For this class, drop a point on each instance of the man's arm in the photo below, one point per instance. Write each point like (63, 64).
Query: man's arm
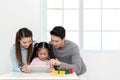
(77, 62)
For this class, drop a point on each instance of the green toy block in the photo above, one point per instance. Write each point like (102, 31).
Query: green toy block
(67, 71)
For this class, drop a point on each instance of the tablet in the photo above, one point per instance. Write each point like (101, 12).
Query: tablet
(38, 68)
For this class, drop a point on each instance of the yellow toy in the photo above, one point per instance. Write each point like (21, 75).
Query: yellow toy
(63, 71)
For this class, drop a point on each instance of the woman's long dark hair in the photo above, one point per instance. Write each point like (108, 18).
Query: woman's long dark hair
(42, 45)
(22, 33)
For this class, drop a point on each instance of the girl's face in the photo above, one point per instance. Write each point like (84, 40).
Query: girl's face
(25, 42)
(43, 54)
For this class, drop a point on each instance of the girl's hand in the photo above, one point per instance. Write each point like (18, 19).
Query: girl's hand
(54, 62)
(50, 69)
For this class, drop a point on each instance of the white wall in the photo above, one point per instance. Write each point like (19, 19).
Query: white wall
(102, 66)
(15, 14)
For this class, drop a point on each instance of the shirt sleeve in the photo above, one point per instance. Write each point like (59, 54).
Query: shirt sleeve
(15, 64)
(77, 62)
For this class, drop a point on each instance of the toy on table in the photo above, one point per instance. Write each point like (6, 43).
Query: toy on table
(63, 71)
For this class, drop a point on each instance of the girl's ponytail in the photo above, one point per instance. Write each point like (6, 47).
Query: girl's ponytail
(34, 53)
(51, 53)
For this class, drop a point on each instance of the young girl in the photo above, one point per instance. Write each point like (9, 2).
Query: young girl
(41, 54)
(21, 51)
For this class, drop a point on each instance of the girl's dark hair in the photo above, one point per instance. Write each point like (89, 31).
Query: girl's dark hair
(22, 33)
(58, 31)
(42, 45)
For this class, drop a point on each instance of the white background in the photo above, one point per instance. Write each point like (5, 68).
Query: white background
(15, 14)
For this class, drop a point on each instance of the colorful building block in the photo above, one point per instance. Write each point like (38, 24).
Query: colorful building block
(55, 72)
(67, 71)
(63, 71)
(71, 70)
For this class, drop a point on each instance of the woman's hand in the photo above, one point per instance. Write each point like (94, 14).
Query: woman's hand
(26, 69)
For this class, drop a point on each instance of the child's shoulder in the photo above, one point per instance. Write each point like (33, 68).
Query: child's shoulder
(36, 58)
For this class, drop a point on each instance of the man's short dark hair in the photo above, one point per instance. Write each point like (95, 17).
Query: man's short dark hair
(58, 31)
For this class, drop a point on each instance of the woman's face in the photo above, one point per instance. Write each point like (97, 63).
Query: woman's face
(43, 54)
(25, 42)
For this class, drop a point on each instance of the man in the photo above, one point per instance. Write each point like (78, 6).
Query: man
(66, 52)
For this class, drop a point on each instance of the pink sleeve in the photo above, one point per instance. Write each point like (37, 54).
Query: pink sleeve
(34, 61)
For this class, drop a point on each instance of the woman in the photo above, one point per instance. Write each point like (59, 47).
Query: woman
(21, 51)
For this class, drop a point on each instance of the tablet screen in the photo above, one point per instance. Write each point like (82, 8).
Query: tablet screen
(38, 68)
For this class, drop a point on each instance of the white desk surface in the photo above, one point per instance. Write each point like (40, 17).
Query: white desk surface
(36, 76)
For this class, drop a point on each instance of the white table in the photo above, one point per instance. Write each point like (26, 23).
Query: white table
(36, 76)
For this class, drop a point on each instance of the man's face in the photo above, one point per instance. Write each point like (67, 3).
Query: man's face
(57, 41)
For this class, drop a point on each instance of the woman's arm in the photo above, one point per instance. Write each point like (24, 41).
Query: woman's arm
(15, 64)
